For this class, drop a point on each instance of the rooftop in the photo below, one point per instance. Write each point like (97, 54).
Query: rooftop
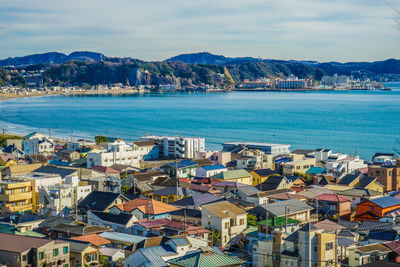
(224, 209)
(147, 206)
(94, 239)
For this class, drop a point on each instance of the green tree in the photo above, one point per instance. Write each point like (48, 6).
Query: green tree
(251, 220)
(125, 189)
(306, 177)
(103, 260)
(216, 236)
(100, 139)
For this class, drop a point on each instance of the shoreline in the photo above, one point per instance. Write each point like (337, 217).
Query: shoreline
(125, 92)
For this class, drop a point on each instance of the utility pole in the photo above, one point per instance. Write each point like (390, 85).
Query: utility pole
(287, 207)
(184, 221)
(266, 223)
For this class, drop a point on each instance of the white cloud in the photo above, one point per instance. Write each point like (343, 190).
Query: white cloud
(154, 30)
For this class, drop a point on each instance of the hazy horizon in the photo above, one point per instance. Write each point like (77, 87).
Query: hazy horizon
(197, 52)
(318, 30)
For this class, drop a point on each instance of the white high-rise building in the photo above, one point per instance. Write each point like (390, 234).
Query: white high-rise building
(177, 146)
(118, 152)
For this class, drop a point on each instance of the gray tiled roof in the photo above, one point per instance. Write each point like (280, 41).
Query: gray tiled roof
(278, 208)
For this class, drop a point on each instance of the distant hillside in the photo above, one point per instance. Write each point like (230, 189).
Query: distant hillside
(187, 69)
(208, 58)
(50, 57)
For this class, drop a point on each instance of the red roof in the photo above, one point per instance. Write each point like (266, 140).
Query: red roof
(156, 223)
(297, 189)
(147, 206)
(104, 169)
(94, 239)
(332, 198)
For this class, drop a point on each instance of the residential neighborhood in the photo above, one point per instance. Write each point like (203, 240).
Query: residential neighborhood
(167, 201)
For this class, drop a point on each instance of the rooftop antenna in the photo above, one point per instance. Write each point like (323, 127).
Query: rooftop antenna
(184, 221)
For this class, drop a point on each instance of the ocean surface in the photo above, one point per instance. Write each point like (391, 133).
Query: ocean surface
(362, 122)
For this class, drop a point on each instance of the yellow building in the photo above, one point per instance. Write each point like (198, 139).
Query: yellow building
(170, 194)
(261, 175)
(83, 254)
(298, 166)
(16, 196)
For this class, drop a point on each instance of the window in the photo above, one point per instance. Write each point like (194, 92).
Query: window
(65, 250)
(328, 246)
(55, 252)
(91, 257)
(378, 172)
(25, 257)
(241, 221)
(66, 265)
(226, 225)
(41, 255)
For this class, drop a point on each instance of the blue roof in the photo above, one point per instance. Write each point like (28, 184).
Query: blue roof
(154, 254)
(59, 162)
(134, 239)
(384, 235)
(214, 167)
(385, 202)
(316, 170)
(183, 164)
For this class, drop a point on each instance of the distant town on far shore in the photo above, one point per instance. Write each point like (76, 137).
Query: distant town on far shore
(94, 73)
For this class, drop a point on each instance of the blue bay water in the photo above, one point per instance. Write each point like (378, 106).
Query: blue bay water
(346, 121)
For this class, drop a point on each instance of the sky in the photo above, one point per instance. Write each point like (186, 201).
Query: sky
(323, 30)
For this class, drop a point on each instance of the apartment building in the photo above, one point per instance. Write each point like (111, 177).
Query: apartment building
(177, 146)
(386, 174)
(267, 148)
(36, 143)
(16, 196)
(306, 247)
(298, 165)
(21, 251)
(118, 152)
(225, 217)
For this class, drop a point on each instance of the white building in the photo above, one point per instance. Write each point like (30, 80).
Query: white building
(344, 165)
(61, 199)
(340, 81)
(208, 171)
(118, 152)
(337, 163)
(292, 82)
(36, 143)
(267, 148)
(176, 146)
(75, 145)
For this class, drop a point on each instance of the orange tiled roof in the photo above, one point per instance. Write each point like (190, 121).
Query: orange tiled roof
(94, 239)
(148, 206)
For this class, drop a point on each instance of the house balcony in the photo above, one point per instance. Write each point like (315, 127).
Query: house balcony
(16, 208)
(16, 197)
(235, 230)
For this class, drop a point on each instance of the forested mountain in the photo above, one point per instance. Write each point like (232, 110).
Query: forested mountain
(188, 69)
